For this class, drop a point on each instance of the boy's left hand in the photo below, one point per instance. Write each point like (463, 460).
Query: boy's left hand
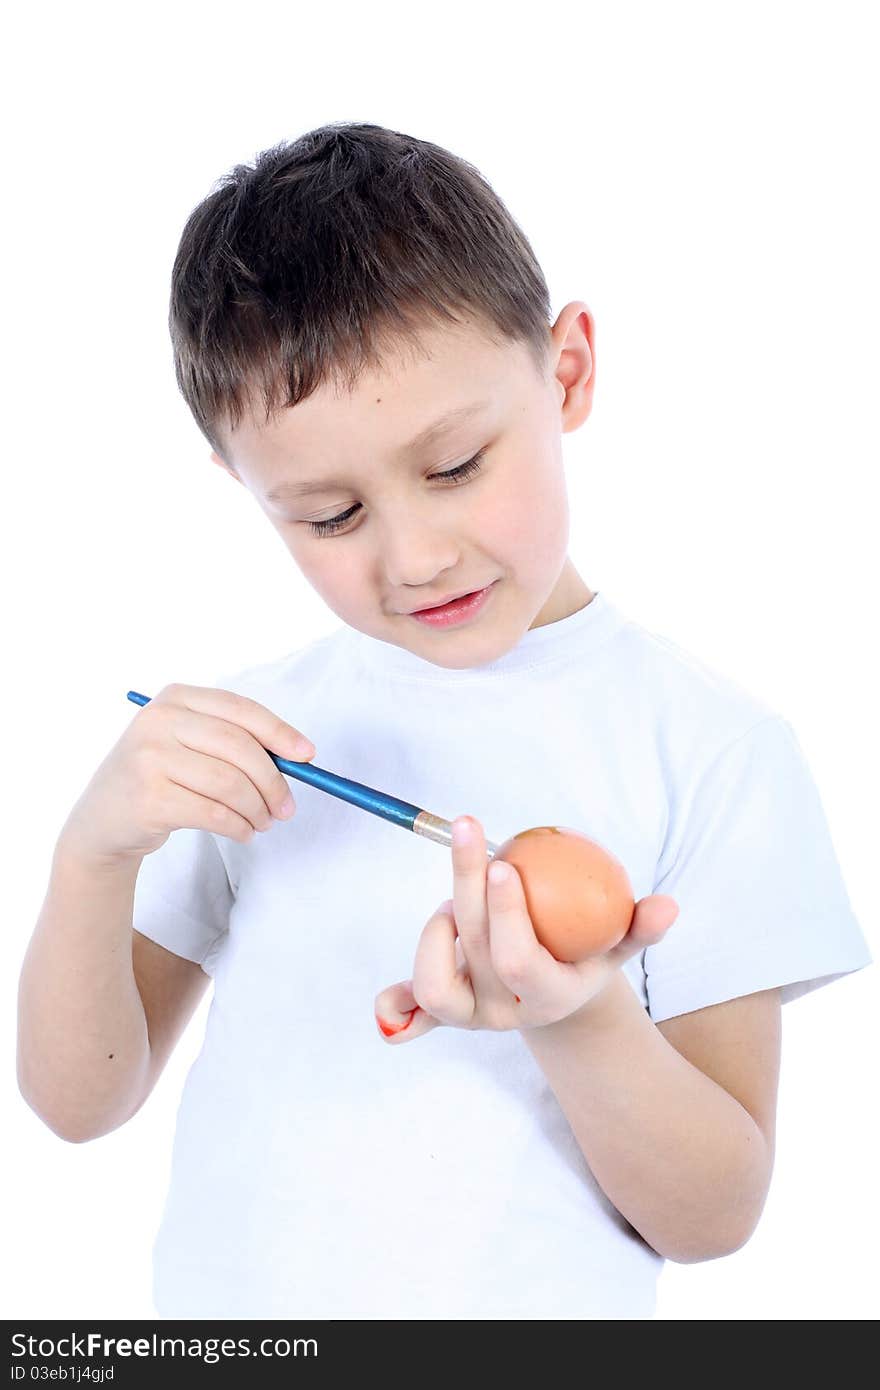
(479, 964)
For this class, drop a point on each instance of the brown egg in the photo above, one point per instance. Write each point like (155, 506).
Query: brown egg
(578, 895)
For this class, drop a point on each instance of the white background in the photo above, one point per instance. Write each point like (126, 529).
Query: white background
(704, 177)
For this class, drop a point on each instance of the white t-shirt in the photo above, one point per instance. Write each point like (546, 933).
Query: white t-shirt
(318, 1172)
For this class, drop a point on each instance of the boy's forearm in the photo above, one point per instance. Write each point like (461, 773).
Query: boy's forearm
(83, 1046)
(678, 1156)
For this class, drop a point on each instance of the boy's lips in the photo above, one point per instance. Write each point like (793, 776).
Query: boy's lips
(456, 610)
(450, 598)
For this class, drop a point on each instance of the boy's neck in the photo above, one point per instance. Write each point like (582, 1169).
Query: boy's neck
(569, 595)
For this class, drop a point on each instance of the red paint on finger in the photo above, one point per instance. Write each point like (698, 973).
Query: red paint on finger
(517, 998)
(389, 1029)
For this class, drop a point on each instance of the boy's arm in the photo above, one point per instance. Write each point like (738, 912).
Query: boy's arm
(171, 988)
(99, 1006)
(677, 1119)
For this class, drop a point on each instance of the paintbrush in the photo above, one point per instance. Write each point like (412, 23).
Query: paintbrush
(390, 808)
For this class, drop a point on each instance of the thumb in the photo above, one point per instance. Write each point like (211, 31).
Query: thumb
(651, 920)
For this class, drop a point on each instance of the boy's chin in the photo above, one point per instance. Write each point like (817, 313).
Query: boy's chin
(459, 651)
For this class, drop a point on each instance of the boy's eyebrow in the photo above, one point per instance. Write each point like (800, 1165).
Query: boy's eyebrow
(426, 436)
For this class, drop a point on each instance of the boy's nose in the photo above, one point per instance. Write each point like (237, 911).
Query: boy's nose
(418, 560)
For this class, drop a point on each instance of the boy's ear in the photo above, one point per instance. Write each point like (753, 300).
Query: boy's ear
(215, 458)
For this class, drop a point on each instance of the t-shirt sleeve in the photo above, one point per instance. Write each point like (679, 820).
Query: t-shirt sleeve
(183, 897)
(750, 861)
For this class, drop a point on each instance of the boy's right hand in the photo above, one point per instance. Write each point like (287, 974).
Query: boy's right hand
(193, 757)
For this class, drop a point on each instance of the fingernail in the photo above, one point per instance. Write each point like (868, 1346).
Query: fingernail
(462, 832)
(388, 1028)
(303, 749)
(287, 807)
(499, 872)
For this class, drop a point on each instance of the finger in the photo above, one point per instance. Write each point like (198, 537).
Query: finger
(652, 918)
(527, 968)
(519, 961)
(236, 730)
(469, 864)
(234, 748)
(438, 986)
(222, 783)
(270, 730)
(398, 1017)
(184, 807)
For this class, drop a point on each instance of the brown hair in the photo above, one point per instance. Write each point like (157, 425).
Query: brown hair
(302, 268)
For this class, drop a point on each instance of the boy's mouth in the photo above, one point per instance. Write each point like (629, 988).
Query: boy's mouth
(455, 610)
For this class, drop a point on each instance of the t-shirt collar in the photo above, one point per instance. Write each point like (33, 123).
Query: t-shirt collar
(552, 643)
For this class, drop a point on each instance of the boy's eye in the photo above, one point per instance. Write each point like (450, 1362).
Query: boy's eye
(457, 475)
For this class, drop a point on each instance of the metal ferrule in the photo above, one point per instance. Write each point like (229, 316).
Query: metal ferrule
(440, 831)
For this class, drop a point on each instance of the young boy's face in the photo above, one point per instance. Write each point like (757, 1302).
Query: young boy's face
(408, 538)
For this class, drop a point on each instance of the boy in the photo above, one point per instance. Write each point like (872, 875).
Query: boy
(363, 335)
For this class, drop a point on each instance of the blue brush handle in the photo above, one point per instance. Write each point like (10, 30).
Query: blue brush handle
(402, 813)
